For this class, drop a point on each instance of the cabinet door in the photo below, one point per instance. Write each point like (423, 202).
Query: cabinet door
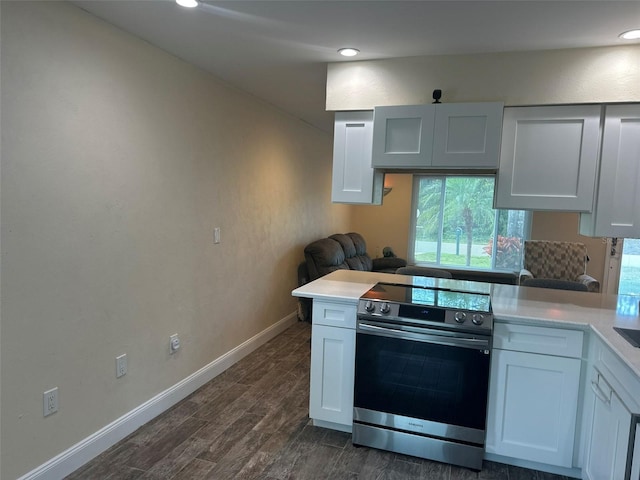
(616, 212)
(403, 135)
(332, 374)
(549, 157)
(609, 438)
(532, 407)
(467, 135)
(354, 179)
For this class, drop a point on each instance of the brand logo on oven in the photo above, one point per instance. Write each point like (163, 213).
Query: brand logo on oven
(417, 425)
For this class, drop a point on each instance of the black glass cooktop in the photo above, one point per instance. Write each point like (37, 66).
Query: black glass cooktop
(631, 336)
(446, 299)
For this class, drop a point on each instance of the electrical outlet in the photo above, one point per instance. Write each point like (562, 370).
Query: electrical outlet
(50, 400)
(174, 343)
(121, 365)
(216, 235)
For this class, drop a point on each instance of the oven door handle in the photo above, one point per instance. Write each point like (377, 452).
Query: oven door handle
(476, 343)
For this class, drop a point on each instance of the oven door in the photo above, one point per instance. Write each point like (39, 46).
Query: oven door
(425, 381)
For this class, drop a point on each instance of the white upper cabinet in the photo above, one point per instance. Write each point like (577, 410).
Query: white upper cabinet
(617, 209)
(549, 158)
(354, 179)
(444, 135)
(402, 136)
(467, 135)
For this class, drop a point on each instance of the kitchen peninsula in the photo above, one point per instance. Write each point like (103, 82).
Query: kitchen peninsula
(564, 387)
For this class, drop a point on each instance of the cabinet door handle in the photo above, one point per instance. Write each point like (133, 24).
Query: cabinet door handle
(599, 393)
(408, 334)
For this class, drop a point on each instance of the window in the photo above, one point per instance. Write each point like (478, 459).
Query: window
(454, 224)
(629, 282)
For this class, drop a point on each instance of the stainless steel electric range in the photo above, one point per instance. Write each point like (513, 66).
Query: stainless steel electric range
(422, 372)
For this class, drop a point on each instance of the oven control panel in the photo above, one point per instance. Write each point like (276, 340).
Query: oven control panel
(398, 312)
(379, 307)
(475, 318)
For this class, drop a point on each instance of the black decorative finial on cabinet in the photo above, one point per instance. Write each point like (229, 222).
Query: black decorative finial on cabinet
(437, 94)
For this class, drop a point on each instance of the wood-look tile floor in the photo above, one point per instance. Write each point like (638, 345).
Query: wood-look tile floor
(251, 422)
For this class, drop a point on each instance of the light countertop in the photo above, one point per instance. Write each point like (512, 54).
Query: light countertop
(598, 312)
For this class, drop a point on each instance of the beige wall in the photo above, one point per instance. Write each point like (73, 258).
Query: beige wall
(117, 162)
(589, 75)
(388, 225)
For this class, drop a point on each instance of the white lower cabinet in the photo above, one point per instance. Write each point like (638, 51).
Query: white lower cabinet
(533, 414)
(615, 391)
(606, 457)
(332, 367)
(533, 397)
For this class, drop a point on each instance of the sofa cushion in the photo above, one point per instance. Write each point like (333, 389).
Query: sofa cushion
(424, 272)
(324, 256)
(355, 251)
(555, 283)
(388, 264)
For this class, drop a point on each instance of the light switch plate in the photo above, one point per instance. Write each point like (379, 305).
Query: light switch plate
(121, 365)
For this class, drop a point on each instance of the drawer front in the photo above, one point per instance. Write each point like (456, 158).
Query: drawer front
(334, 314)
(622, 379)
(543, 340)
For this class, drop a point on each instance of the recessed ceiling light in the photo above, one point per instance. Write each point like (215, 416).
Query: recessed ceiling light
(631, 35)
(187, 3)
(348, 52)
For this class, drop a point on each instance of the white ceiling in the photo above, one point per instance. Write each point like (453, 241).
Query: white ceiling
(278, 50)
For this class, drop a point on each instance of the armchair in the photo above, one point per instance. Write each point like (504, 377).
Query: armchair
(558, 261)
(345, 251)
(341, 251)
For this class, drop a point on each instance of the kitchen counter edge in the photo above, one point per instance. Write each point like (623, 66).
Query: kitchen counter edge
(525, 305)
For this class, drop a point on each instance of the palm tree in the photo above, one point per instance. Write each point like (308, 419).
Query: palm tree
(431, 195)
(447, 203)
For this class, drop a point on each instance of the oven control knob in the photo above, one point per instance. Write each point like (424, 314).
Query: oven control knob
(460, 317)
(477, 319)
(369, 306)
(385, 308)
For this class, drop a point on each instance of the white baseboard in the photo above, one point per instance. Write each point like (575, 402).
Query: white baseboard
(73, 458)
(572, 472)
